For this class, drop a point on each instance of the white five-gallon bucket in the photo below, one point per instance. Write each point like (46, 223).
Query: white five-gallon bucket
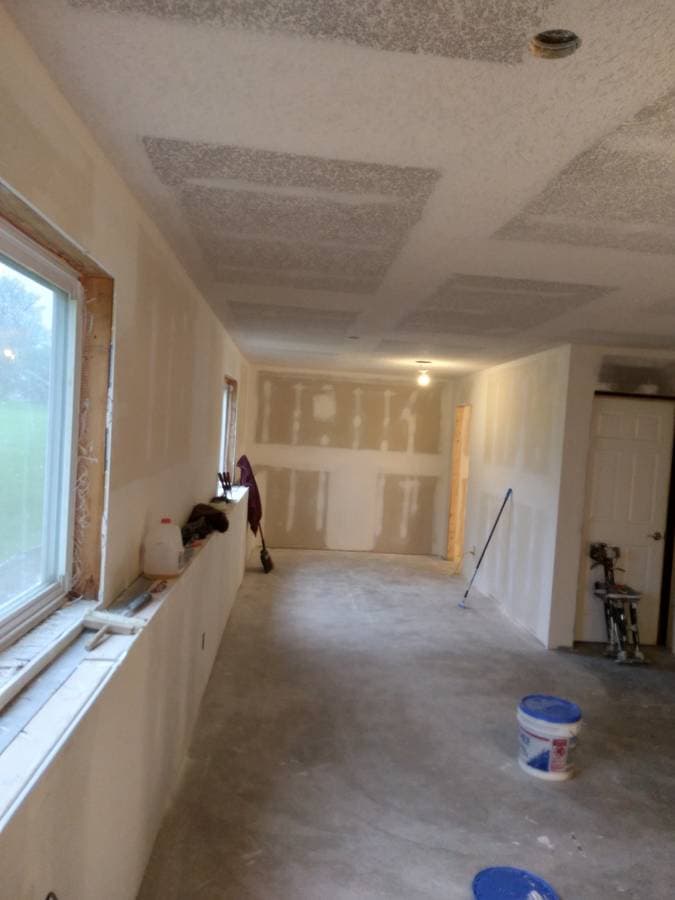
(548, 734)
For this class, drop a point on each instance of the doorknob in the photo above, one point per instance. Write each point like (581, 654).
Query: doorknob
(656, 535)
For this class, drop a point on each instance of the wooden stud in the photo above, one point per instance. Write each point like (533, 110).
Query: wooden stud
(459, 480)
(92, 437)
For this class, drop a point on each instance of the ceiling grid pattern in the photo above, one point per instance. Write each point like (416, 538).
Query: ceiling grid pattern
(281, 219)
(361, 183)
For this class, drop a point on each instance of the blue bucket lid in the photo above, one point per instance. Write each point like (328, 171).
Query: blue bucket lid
(550, 709)
(506, 883)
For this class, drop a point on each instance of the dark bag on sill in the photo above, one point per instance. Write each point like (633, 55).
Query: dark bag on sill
(204, 519)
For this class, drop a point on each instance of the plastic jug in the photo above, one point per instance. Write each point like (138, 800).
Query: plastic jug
(163, 554)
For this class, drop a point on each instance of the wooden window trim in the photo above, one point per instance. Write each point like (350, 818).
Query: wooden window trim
(94, 398)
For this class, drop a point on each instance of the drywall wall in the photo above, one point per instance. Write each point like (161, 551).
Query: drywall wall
(516, 441)
(591, 369)
(352, 463)
(86, 828)
(170, 354)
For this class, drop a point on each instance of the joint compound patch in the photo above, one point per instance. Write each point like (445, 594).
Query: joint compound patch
(263, 217)
(613, 195)
(490, 30)
(492, 305)
(324, 405)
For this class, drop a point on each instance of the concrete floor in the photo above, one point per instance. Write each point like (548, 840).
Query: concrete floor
(357, 740)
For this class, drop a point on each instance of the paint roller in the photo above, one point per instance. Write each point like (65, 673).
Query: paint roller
(463, 604)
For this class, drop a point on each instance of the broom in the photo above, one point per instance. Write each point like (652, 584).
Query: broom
(265, 557)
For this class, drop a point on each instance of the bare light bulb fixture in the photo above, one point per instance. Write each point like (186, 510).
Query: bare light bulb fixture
(424, 379)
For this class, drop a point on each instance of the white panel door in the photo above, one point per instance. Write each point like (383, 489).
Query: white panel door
(626, 505)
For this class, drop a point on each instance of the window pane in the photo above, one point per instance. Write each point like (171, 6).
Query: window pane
(223, 430)
(27, 309)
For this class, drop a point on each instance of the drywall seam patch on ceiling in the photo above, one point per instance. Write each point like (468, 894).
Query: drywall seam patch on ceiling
(489, 30)
(273, 320)
(618, 194)
(287, 220)
(485, 305)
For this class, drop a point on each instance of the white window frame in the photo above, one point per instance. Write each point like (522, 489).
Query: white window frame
(28, 609)
(226, 403)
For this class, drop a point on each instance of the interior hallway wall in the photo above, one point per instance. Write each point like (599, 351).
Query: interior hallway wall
(517, 431)
(352, 463)
(591, 369)
(171, 352)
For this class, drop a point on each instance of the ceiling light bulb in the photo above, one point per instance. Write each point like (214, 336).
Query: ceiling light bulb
(423, 378)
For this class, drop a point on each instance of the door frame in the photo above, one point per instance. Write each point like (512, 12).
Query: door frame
(458, 496)
(669, 534)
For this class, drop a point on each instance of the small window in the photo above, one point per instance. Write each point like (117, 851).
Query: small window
(228, 424)
(222, 459)
(38, 335)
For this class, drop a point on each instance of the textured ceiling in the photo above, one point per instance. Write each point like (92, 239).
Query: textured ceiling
(477, 304)
(269, 319)
(620, 193)
(469, 29)
(358, 184)
(279, 219)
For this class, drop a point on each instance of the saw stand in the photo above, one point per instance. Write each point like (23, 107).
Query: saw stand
(620, 605)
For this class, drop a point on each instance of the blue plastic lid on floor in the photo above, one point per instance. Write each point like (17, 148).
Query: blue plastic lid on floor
(506, 883)
(550, 709)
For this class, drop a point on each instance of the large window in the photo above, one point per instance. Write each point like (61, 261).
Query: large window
(38, 334)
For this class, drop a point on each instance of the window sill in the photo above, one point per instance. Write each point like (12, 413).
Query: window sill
(237, 494)
(48, 708)
(35, 724)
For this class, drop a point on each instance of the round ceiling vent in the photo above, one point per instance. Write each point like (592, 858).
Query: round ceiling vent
(554, 44)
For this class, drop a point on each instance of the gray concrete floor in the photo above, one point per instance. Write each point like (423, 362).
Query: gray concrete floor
(357, 740)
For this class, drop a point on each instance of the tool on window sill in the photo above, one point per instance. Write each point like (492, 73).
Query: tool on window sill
(138, 602)
(101, 635)
(115, 624)
(226, 485)
(106, 624)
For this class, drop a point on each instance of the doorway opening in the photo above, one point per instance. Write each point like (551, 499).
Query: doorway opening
(459, 481)
(630, 503)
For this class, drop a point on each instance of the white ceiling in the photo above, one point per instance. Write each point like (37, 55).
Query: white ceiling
(359, 183)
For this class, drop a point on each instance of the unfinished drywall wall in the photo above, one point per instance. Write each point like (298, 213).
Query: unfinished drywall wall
(517, 430)
(87, 827)
(352, 463)
(120, 765)
(171, 353)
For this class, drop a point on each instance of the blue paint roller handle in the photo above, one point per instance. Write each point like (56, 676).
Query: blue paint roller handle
(492, 531)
